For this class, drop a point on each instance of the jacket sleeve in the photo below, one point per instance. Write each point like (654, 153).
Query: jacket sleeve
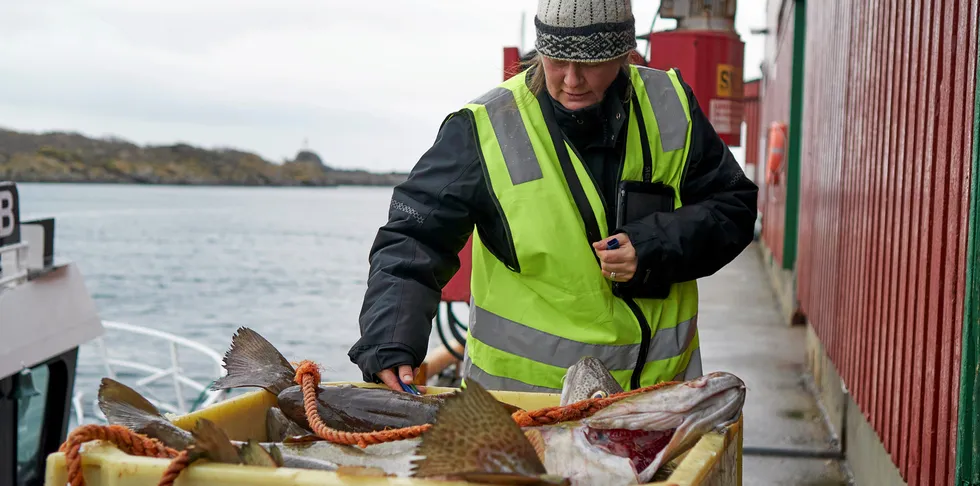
(714, 224)
(416, 252)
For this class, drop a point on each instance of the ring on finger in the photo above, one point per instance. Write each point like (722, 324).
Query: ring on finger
(612, 275)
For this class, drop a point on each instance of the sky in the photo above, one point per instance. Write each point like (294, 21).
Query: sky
(365, 84)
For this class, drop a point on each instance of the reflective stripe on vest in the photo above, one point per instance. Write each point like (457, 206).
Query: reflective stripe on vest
(527, 326)
(502, 333)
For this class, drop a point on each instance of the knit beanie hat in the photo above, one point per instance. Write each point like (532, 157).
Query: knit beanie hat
(584, 30)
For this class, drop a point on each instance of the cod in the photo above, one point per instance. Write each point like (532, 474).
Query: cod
(474, 437)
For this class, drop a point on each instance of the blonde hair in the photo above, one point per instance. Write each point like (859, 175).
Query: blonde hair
(536, 77)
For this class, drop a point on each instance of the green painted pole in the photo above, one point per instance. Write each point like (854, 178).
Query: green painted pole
(793, 152)
(968, 433)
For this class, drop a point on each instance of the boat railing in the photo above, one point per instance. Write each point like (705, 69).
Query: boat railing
(13, 270)
(179, 402)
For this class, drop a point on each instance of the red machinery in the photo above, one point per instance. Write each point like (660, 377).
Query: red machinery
(708, 52)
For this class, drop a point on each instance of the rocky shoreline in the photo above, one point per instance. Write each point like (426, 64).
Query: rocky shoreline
(61, 157)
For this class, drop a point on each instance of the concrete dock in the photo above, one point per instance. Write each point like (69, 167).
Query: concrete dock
(743, 332)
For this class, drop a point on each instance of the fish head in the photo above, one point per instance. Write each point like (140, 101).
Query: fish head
(653, 427)
(474, 438)
(587, 378)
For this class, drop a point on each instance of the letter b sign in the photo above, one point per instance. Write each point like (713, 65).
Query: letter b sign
(9, 224)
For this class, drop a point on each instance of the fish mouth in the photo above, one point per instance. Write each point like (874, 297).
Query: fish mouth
(641, 447)
(652, 432)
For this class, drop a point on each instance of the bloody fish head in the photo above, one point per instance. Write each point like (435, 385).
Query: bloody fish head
(629, 440)
(652, 428)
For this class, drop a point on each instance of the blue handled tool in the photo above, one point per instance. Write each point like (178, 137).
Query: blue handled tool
(409, 388)
(612, 244)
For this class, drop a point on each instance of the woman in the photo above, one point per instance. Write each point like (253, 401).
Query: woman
(599, 192)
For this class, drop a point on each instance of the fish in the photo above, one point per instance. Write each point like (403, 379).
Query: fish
(588, 378)
(211, 443)
(629, 440)
(474, 439)
(252, 361)
(279, 428)
(124, 406)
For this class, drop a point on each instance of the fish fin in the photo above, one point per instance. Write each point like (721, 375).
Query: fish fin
(254, 454)
(212, 442)
(124, 406)
(276, 454)
(253, 361)
(278, 427)
(511, 408)
(473, 433)
(537, 441)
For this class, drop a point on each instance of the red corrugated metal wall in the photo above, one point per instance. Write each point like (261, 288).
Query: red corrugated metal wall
(775, 108)
(884, 199)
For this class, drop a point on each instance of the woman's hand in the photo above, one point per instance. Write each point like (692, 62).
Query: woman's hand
(407, 375)
(618, 264)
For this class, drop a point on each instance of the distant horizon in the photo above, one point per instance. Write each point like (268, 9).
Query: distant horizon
(368, 83)
(117, 138)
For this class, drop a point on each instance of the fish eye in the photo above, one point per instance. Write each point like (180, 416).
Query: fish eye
(599, 394)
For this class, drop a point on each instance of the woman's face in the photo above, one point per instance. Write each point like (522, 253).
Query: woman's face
(577, 84)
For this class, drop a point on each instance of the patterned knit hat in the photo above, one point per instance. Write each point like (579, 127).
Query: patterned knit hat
(584, 30)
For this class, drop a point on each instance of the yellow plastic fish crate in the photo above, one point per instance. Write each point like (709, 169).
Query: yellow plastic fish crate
(716, 460)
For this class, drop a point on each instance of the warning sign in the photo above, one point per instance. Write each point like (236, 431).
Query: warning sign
(729, 82)
(725, 115)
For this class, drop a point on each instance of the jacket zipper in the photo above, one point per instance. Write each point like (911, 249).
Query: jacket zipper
(641, 359)
(634, 308)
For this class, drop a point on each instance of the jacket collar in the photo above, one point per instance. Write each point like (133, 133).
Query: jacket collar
(599, 124)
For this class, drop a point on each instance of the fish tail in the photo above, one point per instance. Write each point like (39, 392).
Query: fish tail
(124, 406)
(253, 361)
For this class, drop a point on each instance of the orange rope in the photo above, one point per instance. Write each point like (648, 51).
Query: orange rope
(308, 376)
(123, 438)
(177, 465)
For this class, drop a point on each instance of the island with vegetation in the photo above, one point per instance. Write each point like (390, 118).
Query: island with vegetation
(71, 157)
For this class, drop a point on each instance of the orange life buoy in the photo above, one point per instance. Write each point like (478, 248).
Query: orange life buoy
(775, 151)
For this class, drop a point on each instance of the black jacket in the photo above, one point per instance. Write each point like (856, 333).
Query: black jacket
(433, 213)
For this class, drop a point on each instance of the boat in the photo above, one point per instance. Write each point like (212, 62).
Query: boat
(46, 315)
(38, 403)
